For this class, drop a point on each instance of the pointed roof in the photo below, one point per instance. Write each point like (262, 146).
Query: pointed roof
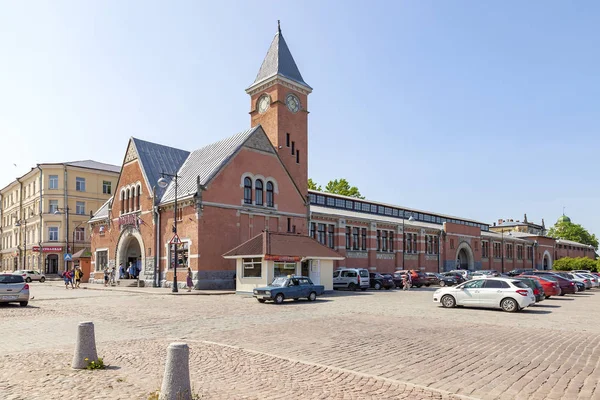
(279, 61)
(205, 163)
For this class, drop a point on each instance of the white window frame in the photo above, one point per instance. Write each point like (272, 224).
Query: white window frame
(51, 179)
(78, 205)
(252, 261)
(80, 184)
(52, 229)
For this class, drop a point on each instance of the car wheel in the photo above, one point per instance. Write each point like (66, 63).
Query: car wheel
(548, 297)
(364, 289)
(42, 279)
(562, 294)
(261, 300)
(352, 286)
(509, 305)
(427, 284)
(448, 301)
(24, 303)
(377, 286)
(312, 296)
(388, 288)
(279, 298)
(442, 283)
(28, 279)
(418, 286)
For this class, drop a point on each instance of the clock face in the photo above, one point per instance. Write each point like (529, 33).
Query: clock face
(292, 102)
(263, 104)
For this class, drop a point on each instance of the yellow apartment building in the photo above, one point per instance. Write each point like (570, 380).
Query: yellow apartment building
(43, 213)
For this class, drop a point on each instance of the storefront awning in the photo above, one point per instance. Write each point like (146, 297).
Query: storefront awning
(83, 253)
(274, 245)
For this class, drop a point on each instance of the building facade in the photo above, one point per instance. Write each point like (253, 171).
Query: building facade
(43, 213)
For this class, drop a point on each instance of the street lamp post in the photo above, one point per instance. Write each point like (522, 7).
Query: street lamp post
(58, 212)
(404, 235)
(163, 183)
(18, 223)
(502, 250)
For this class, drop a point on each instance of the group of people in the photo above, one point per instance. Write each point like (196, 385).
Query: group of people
(131, 272)
(73, 275)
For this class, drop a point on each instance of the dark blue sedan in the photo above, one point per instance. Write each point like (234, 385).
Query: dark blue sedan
(291, 287)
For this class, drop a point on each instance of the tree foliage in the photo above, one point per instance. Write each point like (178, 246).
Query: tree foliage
(572, 264)
(337, 186)
(575, 232)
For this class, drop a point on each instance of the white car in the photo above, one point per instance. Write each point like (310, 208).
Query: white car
(508, 294)
(31, 275)
(592, 278)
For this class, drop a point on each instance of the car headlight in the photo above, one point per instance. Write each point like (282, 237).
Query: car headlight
(268, 292)
(255, 291)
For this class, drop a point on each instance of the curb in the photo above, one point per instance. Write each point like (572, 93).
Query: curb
(182, 293)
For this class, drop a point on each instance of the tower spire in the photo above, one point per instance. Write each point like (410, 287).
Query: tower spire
(279, 27)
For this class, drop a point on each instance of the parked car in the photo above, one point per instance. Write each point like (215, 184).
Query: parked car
(293, 287)
(508, 294)
(351, 278)
(14, 289)
(458, 277)
(567, 286)
(418, 278)
(465, 273)
(581, 282)
(593, 278)
(587, 280)
(518, 271)
(551, 288)
(538, 289)
(379, 281)
(31, 275)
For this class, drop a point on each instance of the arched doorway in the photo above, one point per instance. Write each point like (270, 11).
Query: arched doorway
(546, 261)
(464, 257)
(52, 264)
(130, 252)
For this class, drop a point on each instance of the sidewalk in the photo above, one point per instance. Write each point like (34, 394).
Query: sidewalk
(145, 290)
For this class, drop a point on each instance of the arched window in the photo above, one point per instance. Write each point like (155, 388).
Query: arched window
(270, 195)
(247, 191)
(127, 197)
(258, 185)
(137, 197)
(132, 200)
(122, 202)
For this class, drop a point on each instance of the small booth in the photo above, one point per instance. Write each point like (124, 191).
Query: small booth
(270, 255)
(83, 259)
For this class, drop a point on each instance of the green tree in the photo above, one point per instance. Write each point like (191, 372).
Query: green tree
(312, 185)
(570, 231)
(342, 187)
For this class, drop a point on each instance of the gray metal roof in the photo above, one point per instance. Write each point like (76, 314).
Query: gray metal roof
(370, 217)
(156, 158)
(279, 61)
(573, 243)
(102, 212)
(205, 163)
(95, 165)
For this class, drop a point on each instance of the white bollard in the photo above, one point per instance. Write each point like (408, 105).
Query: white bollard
(85, 346)
(176, 382)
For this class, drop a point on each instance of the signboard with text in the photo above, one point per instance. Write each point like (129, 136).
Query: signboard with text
(128, 220)
(269, 257)
(48, 249)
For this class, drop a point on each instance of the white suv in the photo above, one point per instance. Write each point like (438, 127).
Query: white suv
(30, 275)
(351, 278)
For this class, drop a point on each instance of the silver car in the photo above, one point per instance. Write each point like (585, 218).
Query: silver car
(14, 289)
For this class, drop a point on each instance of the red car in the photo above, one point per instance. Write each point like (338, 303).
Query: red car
(551, 288)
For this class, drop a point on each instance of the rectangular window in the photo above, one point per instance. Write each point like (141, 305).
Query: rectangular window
(485, 249)
(182, 251)
(179, 214)
(252, 267)
(289, 224)
(529, 252)
(321, 234)
(53, 206)
(80, 234)
(391, 245)
(355, 238)
(331, 236)
(519, 252)
(80, 184)
(320, 199)
(384, 241)
(378, 240)
(53, 182)
(436, 245)
(451, 243)
(366, 207)
(80, 208)
(287, 140)
(340, 203)
(313, 228)
(428, 244)
(53, 234)
(284, 269)
(101, 260)
(330, 201)
(348, 238)
(293, 148)
(349, 204)
(106, 187)
(297, 156)
(363, 233)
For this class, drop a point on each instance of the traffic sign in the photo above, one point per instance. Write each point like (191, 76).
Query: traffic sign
(175, 240)
(68, 257)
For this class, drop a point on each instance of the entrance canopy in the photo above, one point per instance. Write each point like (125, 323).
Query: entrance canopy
(280, 245)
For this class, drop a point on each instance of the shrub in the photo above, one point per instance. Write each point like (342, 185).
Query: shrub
(571, 264)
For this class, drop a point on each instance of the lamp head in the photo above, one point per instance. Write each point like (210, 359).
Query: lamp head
(411, 218)
(163, 183)
(56, 212)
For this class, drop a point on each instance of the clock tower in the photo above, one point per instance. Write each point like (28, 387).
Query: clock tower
(279, 102)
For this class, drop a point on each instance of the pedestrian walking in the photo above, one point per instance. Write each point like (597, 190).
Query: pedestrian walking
(66, 279)
(78, 276)
(408, 280)
(112, 277)
(106, 276)
(189, 282)
(121, 271)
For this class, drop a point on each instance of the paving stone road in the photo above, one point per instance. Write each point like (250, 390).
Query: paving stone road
(371, 345)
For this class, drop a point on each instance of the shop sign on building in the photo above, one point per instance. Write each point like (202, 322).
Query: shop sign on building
(48, 249)
(128, 220)
(269, 257)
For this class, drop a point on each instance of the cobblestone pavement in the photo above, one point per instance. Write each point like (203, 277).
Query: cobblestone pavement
(379, 345)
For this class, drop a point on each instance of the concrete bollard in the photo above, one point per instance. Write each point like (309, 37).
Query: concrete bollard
(176, 382)
(85, 346)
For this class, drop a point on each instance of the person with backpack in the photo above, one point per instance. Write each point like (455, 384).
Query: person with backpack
(407, 280)
(78, 276)
(67, 279)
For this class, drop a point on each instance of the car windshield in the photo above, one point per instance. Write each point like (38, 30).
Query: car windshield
(279, 282)
(6, 279)
(520, 284)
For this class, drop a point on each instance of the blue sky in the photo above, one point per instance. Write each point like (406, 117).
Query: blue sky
(477, 109)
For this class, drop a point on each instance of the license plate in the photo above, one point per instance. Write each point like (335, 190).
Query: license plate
(10, 297)
(266, 297)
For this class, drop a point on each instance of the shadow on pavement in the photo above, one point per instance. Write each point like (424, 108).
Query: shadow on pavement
(560, 298)
(546, 305)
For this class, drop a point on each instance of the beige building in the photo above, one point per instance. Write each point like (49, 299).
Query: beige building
(43, 213)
